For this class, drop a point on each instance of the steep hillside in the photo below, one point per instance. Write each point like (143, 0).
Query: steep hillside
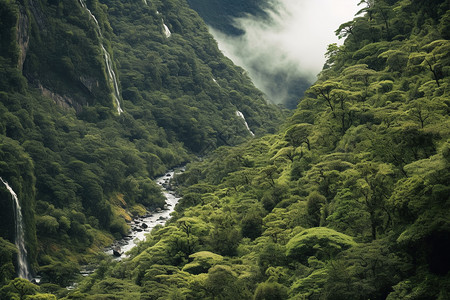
(241, 27)
(221, 14)
(349, 200)
(97, 98)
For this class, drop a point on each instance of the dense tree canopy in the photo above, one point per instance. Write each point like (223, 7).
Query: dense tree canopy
(348, 200)
(81, 169)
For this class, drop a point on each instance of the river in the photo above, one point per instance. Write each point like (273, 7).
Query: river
(141, 226)
(138, 230)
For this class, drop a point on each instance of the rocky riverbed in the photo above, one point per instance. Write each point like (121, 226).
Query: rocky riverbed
(142, 225)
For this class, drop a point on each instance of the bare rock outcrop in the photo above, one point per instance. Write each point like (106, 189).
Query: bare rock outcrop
(23, 36)
(63, 101)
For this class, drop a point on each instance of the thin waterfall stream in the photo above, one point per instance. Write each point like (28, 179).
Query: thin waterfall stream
(166, 29)
(23, 270)
(241, 115)
(108, 62)
(167, 32)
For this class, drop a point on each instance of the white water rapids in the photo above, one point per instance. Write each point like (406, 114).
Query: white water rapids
(111, 74)
(23, 271)
(139, 230)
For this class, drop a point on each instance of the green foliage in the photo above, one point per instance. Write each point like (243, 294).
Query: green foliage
(73, 162)
(251, 225)
(59, 272)
(321, 242)
(17, 169)
(225, 237)
(365, 156)
(114, 288)
(46, 225)
(202, 262)
(363, 271)
(270, 290)
(222, 283)
(314, 206)
(19, 289)
(7, 253)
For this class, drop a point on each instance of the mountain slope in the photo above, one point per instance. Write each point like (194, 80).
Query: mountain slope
(96, 100)
(349, 200)
(220, 14)
(241, 27)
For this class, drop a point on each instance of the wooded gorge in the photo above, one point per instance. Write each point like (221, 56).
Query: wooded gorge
(345, 198)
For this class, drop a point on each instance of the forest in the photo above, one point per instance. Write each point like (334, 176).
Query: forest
(345, 197)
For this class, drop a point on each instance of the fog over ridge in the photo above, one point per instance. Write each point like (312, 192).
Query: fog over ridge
(288, 47)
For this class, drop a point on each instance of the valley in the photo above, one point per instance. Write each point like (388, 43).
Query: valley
(345, 196)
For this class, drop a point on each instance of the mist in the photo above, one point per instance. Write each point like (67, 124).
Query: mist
(284, 51)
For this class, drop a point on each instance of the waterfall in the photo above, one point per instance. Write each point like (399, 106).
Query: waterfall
(112, 77)
(20, 235)
(241, 115)
(166, 30)
(111, 74)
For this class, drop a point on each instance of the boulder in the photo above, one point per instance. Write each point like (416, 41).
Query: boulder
(117, 251)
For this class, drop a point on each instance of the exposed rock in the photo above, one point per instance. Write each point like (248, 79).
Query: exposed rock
(37, 280)
(63, 101)
(37, 14)
(117, 252)
(23, 37)
(89, 83)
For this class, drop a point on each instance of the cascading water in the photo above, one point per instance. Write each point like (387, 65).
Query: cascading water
(166, 30)
(112, 77)
(241, 115)
(142, 226)
(111, 74)
(23, 271)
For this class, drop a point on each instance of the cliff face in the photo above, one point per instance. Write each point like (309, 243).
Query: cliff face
(65, 54)
(23, 36)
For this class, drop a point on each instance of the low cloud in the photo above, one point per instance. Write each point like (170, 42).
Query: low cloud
(288, 45)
